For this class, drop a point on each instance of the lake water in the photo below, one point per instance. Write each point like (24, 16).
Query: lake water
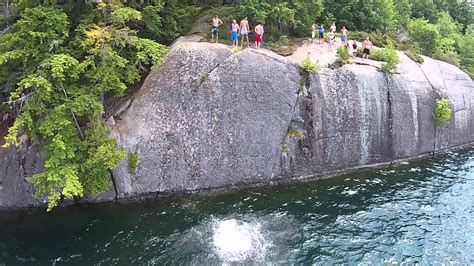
(417, 213)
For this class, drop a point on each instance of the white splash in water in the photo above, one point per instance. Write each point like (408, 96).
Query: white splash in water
(236, 241)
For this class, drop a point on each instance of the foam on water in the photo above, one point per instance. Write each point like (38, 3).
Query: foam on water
(236, 241)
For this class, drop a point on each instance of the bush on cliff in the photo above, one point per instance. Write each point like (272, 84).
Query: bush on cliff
(343, 55)
(443, 112)
(309, 67)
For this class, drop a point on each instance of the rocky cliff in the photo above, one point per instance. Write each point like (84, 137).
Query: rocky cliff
(209, 119)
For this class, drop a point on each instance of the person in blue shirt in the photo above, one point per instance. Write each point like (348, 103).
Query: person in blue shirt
(321, 34)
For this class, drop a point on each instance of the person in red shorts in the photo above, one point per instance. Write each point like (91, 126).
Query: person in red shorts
(258, 35)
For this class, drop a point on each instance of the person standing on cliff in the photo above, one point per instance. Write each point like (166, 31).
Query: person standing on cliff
(258, 35)
(333, 27)
(332, 39)
(344, 34)
(367, 44)
(216, 23)
(234, 34)
(244, 31)
(313, 32)
(321, 34)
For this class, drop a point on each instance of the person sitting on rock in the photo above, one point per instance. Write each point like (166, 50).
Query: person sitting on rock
(234, 34)
(216, 23)
(258, 35)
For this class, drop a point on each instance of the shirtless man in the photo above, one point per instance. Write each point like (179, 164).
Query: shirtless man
(216, 22)
(234, 34)
(244, 31)
(344, 33)
(367, 44)
(258, 35)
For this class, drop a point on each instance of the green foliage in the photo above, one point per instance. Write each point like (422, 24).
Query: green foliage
(403, 12)
(448, 57)
(309, 67)
(466, 53)
(296, 133)
(302, 84)
(125, 14)
(388, 55)
(272, 15)
(385, 18)
(133, 161)
(62, 81)
(202, 77)
(424, 33)
(442, 112)
(343, 55)
(379, 40)
(173, 18)
(424, 9)
(39, 32)
(415, 57)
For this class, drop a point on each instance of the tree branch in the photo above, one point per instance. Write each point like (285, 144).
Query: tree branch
(73, 115)
(22, 99)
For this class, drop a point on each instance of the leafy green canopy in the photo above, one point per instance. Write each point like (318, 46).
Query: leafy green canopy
(59, 74)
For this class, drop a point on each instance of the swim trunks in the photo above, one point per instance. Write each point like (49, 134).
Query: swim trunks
(234, 36)
(366, 51)
(215, 30)
(321, 34)
(343, 38)
(258, 37)
(244, 32)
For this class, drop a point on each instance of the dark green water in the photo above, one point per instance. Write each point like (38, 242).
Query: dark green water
(418, 213)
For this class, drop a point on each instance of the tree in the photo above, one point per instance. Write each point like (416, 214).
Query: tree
(424, 33)
(62, 83)
(386, 15)
(465, 49)
(307, 12)
(403, 10)
(424, 9)
(276, 17)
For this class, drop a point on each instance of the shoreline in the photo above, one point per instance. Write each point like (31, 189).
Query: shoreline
(279, 182)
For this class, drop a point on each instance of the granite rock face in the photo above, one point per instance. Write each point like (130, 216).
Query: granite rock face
(15, 166)
(209, 118)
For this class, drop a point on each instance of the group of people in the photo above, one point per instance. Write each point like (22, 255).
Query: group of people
(242, 29)
(367, 44)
